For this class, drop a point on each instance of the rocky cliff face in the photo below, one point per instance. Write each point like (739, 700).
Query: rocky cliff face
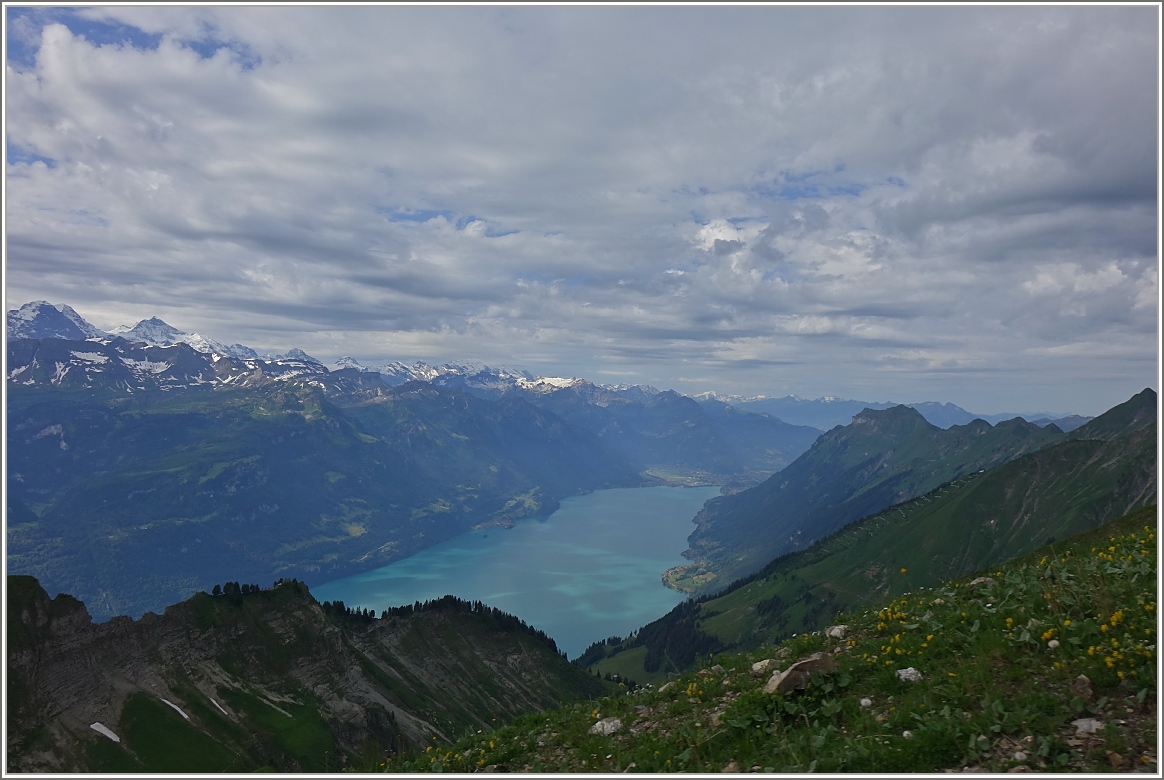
(261, 679)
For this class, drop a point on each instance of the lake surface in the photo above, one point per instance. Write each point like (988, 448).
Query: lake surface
(589, 571)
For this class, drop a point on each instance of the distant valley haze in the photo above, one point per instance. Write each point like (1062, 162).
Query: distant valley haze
(888, 204)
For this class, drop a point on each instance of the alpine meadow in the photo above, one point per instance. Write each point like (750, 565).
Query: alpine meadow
(581, 389)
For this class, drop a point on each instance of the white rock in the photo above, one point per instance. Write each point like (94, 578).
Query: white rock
(836, 632)
(760, 667)
(606, 726)
(866, 702)
(909, 674)
(1087, 725)
(1020, 756)
(1053, 644)
(907, 734)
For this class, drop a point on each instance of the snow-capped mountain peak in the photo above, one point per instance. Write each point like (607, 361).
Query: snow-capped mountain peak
(43, 320)
(153, 331)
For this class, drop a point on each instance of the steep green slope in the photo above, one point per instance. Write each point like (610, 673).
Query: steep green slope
(974, 522)
(267, 678)
(1049, 664)
(882, 458)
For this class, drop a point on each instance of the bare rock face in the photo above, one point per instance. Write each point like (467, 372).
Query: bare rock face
(796, 677)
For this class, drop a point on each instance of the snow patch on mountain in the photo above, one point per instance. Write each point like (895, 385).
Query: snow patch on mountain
(549, 384)
(90, 357)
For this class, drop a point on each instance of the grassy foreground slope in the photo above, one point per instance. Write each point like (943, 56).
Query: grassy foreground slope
(1000, 664)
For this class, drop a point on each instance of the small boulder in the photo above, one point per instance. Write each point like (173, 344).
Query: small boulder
(796, 677)
(606, 726)
(718, 669)
(666, 686)
(761, 667)
(731, 768)
(987, 581)
(1086, 726)
(909, 674)
(836, 632)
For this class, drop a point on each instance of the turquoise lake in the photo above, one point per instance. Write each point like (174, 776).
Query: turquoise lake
(590, 570)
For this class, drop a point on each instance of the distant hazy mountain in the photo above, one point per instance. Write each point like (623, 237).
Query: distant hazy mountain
(828, 412)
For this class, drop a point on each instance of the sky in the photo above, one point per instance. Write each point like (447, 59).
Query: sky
(881, 203)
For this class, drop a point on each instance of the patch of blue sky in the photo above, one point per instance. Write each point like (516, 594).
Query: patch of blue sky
(811, 185)
(209, 47)
(25, 25)
(490, 232)
(398, 214)
(845, 189)
(18, 155)
(85, 217)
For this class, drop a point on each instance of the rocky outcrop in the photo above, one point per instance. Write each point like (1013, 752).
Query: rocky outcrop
(377, 684)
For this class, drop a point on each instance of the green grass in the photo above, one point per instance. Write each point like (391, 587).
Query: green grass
(997, 661)
(164, 741)
(304, 736)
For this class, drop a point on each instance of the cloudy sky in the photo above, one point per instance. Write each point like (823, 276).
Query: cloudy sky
(907, 204)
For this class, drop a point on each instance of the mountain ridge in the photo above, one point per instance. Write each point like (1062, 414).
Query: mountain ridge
(263, 677)
(883, 457)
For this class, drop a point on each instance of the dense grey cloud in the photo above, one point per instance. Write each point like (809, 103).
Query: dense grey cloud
(885, 203)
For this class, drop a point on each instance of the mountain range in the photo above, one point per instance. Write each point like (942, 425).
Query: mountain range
(829, 411)
(141, 473)
(43, 320)
(145, 465)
